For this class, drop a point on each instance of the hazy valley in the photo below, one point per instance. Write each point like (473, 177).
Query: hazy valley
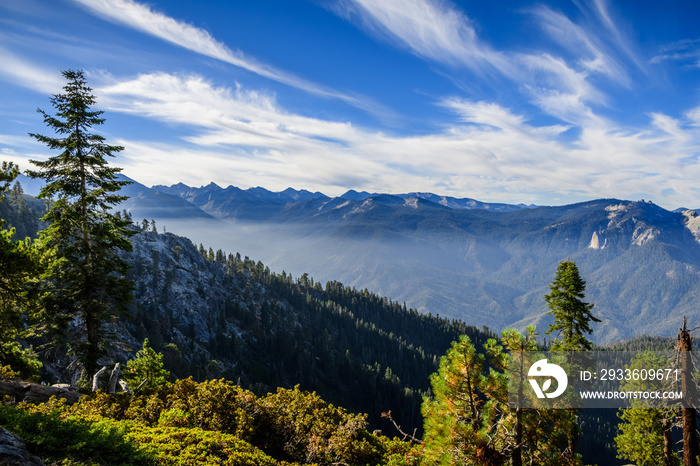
(487, 264)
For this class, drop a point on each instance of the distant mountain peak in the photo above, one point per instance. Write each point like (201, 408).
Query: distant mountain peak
(355, 196)
(302, 195)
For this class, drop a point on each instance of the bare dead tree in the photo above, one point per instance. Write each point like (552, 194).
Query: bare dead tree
(96, 378)
(411, 437)
(113, 378)
(691, 449)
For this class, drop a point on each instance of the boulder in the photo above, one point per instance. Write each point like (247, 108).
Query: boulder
(13, 451)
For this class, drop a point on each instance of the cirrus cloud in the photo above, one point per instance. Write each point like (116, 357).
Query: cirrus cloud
(493, 153)
(141, 17)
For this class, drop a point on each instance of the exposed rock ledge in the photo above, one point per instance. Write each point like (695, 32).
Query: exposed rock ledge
(13, 451)
(692, 223)
(595, 242)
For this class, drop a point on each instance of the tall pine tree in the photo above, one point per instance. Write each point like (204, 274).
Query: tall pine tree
(468, 419)
(572, 318)
(88, 285)
(461, 424)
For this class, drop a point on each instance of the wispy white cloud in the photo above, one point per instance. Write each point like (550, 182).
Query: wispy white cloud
(685, 51)
(489, 152)
(431, 29)
(559, 85)
(671, 127)
(693, 116)
(28, 74)
(585, 45)
(141, 17)
(616, 33)
(17, 141)
(559, 90)
(483, 113)
(244, 130)
(225, 116)
(564, 85)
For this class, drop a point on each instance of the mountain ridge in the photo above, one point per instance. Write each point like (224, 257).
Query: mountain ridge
(485, 266)
(293, 195)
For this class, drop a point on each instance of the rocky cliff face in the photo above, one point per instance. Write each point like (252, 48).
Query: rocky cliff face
(195, 309)
(204, 317)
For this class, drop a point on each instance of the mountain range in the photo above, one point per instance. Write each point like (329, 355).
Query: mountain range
(214, 314)
(486, 264)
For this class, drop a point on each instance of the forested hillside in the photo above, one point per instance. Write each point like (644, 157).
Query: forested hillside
(216, 314)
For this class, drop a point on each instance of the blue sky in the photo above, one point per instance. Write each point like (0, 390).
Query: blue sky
(509, 101)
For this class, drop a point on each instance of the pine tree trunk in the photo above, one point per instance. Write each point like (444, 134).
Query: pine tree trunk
(91, 323)
(518, 451)
(93, 340)
(666, 427)
(690, 434)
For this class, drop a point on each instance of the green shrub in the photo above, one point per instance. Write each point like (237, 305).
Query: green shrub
(195, 446)
(305, 428)
(73, 440)
(99, 405)
(289, 425)
(398, 452)
(216, 405)
(175, 418)
(53, 436)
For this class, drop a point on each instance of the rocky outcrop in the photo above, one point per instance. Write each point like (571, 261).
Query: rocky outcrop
(34, 393)
(597, 242)
(13, 451)
(691, 220)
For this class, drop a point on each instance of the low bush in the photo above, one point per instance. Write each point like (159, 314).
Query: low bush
(216, 405)
(194, 446)
(305, 428)
(213, 422)
(52, 436)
